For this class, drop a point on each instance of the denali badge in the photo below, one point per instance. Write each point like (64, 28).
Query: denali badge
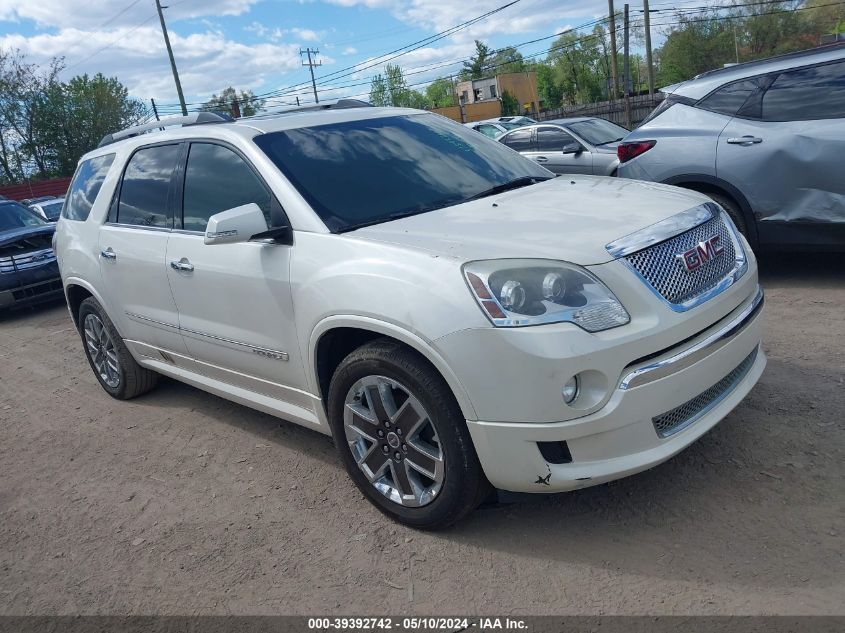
(701, 253)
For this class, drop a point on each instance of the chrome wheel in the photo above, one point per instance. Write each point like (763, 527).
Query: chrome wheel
(393, 441)
(101, 350)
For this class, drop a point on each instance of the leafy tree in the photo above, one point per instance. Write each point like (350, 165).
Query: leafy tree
(391, 89)
(479, 65)
(440, 93)
(46, 124)
(378, 91)
(510, 104)
(551, 92)
(507, 60)
(229, 101)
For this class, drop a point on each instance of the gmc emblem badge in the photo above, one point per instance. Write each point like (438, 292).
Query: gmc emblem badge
(701, 253)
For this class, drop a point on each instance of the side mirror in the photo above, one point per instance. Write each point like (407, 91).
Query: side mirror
(572, 148)
(241, 224)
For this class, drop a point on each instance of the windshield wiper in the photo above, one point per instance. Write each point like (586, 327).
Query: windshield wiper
(507, 186)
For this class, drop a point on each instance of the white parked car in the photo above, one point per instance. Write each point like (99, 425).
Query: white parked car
(455, 317)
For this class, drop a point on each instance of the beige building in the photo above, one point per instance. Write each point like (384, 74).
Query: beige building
(523, 86)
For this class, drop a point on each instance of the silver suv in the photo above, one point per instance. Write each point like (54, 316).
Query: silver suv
(763, 139)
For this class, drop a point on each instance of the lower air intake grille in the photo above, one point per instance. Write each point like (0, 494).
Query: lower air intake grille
(682, 416)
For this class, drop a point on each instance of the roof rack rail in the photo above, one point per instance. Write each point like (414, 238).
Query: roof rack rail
(340, 104)
(807, 52)
(198, 118)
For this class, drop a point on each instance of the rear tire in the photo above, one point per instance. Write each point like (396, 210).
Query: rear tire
(402, 437)
(115, 369)
(732, 209)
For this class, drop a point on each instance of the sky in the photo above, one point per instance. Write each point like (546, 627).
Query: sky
(255, 44)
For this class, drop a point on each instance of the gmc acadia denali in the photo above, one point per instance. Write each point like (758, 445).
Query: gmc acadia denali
(455, 317)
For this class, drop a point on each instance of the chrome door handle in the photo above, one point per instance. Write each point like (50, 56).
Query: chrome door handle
(541, 159)
(744, 140)
(182, 264)
(108, 254)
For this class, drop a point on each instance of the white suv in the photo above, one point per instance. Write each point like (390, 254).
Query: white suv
(455, 317)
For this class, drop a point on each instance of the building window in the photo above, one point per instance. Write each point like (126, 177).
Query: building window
(478, 95)
(493, 94)
(464, 96)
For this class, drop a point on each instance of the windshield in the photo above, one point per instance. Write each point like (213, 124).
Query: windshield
(598, 131)
(368, 171)
(14, 216)
(52, 209)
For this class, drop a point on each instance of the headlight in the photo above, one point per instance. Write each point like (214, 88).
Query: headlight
(516, 292)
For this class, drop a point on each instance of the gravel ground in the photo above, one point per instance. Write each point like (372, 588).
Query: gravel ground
(180, 502)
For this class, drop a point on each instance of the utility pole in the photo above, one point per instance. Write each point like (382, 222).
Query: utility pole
(311, 65)
(297, 101)
(172, 61)
(648, 57)
(155, 109)
(626, 82)
(613, 62)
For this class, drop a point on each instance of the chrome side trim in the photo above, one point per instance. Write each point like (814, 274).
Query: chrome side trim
(691, 355)
(663, 230)
(132, 315)
(263, 351)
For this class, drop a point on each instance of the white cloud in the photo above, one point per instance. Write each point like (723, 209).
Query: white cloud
(207, 61)
(94, 15)
(277, 34)
(350, 50)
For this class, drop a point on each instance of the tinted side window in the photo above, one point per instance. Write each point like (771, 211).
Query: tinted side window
(146, 183)
(806, 94)
(551, 139)
(217, 179)
(520, 140)
(86, 186)
(728, 99)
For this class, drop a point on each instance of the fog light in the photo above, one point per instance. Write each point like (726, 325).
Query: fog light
(570, 390)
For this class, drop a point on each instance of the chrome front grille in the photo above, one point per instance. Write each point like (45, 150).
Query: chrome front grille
(682, 416)
(32, 259)
(661, 267)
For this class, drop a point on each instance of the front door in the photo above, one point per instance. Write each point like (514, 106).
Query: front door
(234, 300)
(133, 245)
(549, 146)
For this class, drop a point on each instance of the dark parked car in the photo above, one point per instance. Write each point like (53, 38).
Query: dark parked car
(28, 269)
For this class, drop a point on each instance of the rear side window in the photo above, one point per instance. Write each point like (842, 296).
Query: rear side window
(86, 186)
(489, 130)
(145, 187)
(805, 94)
(730, 98)
(217, 179)
(551, 139)
(519, 140)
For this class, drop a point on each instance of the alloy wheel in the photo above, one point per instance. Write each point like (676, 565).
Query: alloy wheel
(393, 441)
(101, 350)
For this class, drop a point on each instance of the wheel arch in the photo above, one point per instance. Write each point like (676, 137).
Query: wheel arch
(76, 291)
(704, 184)
(337, 336)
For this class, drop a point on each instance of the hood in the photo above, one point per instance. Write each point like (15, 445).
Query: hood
(13, 235)
(569, 218)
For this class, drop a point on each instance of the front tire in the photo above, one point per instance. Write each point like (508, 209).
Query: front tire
(402, 437)
(732, 209)
(116, 371)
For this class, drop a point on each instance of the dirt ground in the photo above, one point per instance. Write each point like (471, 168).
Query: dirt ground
(180, 502)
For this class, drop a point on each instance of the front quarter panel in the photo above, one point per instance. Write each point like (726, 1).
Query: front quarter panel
(414, 296)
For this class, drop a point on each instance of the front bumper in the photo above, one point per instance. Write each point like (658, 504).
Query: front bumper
(31, 286)
(691, 388)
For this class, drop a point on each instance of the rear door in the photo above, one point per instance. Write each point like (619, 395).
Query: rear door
(520, 140)
(784, 149)
(234, 300)
(549, 144)
(133, 245)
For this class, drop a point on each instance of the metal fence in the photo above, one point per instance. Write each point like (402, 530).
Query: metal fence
(641, 107)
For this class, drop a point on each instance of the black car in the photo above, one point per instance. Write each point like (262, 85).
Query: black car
(28, 269)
